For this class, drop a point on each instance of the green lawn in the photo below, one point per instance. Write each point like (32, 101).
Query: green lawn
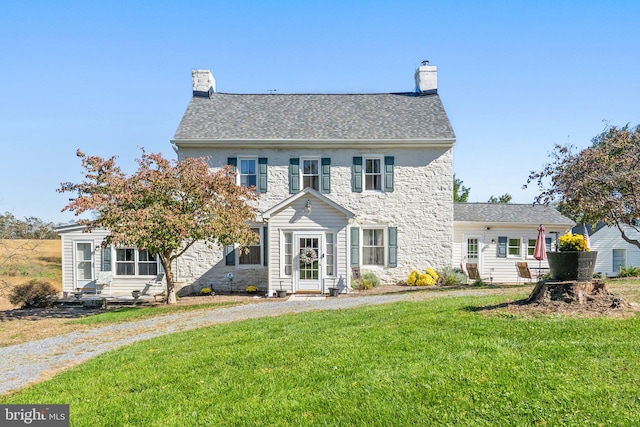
(408, 364)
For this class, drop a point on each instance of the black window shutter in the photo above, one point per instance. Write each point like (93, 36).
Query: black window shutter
(502, 247)
(262, 174)
(326, 175)
(393, 247)
(355, 246)
(356, 175)
(294, 175)
(233, 161)
(265, 245)
(388, 173)
(230, 255)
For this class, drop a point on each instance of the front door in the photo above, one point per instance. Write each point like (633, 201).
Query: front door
(308, 262)
(83, 264)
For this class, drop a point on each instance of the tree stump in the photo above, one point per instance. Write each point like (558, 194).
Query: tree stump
(570, 292)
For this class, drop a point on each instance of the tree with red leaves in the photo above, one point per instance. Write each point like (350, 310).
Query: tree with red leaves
(164, 207)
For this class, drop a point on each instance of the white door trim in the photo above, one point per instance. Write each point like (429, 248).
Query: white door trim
(314, 284)
(81, 282)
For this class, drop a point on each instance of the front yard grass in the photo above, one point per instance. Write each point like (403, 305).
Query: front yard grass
(437, 362)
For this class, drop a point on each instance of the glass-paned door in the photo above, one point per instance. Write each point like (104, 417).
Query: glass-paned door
(308, 271)
(473, 250)
(83, 264)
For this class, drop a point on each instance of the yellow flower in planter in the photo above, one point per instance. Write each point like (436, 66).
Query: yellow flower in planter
(572, 242)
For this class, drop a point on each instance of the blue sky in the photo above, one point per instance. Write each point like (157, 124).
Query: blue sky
(110, 77)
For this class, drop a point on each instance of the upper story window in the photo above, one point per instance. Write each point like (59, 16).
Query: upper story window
(372, 175)
(310, 174)
(247, 173)
(250, 172)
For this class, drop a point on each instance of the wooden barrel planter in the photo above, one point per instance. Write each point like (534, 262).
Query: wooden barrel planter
(572, 266)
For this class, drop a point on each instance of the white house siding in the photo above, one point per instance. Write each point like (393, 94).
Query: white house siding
(502, 270)
(322, 218)
(605, 240)
(420, 205)
(70, 235)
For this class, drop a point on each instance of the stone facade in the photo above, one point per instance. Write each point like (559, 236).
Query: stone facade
(420, 206)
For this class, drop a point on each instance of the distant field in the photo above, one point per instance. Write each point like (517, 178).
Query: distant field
(23, 260)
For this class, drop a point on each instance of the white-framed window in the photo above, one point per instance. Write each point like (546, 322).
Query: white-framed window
(373, 246)
(513, 247)
(251, 255)
(147, 264)
(373, 173)
(133, 262)
(310, 173)
(248, 172)
(287, 254)
(531, 247)
(330, 254)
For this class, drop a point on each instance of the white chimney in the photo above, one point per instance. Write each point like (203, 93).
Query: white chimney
(427, 78)
(203, 83)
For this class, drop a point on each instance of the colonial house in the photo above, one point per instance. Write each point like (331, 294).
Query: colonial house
(347, 183)
(495, 236)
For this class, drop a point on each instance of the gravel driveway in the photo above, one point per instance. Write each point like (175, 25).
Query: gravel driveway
(35, 361)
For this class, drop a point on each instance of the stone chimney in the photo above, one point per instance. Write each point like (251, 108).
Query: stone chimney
(204, 84)
(427, 79)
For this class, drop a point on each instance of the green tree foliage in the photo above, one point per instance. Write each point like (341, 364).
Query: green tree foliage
(598, 183)
(165, 206)
(460, 192)
(505, 198)
(27, 228)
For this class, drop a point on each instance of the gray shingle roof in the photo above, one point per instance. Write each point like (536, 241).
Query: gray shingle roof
(509, 213)
(315, 116)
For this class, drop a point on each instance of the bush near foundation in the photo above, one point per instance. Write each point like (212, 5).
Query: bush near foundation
(34, 293)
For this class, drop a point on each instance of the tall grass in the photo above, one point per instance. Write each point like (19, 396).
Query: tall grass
(407, 364)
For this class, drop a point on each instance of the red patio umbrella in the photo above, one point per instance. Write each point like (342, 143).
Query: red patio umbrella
(540, 251)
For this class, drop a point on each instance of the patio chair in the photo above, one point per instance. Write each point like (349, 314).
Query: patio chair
(104, 279)
(523, 271)
(474, 274)
(156, 283)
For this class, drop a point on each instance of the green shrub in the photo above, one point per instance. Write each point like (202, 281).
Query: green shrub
(451, 277)
(34, 293)
(368, 280)
(629, 271)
